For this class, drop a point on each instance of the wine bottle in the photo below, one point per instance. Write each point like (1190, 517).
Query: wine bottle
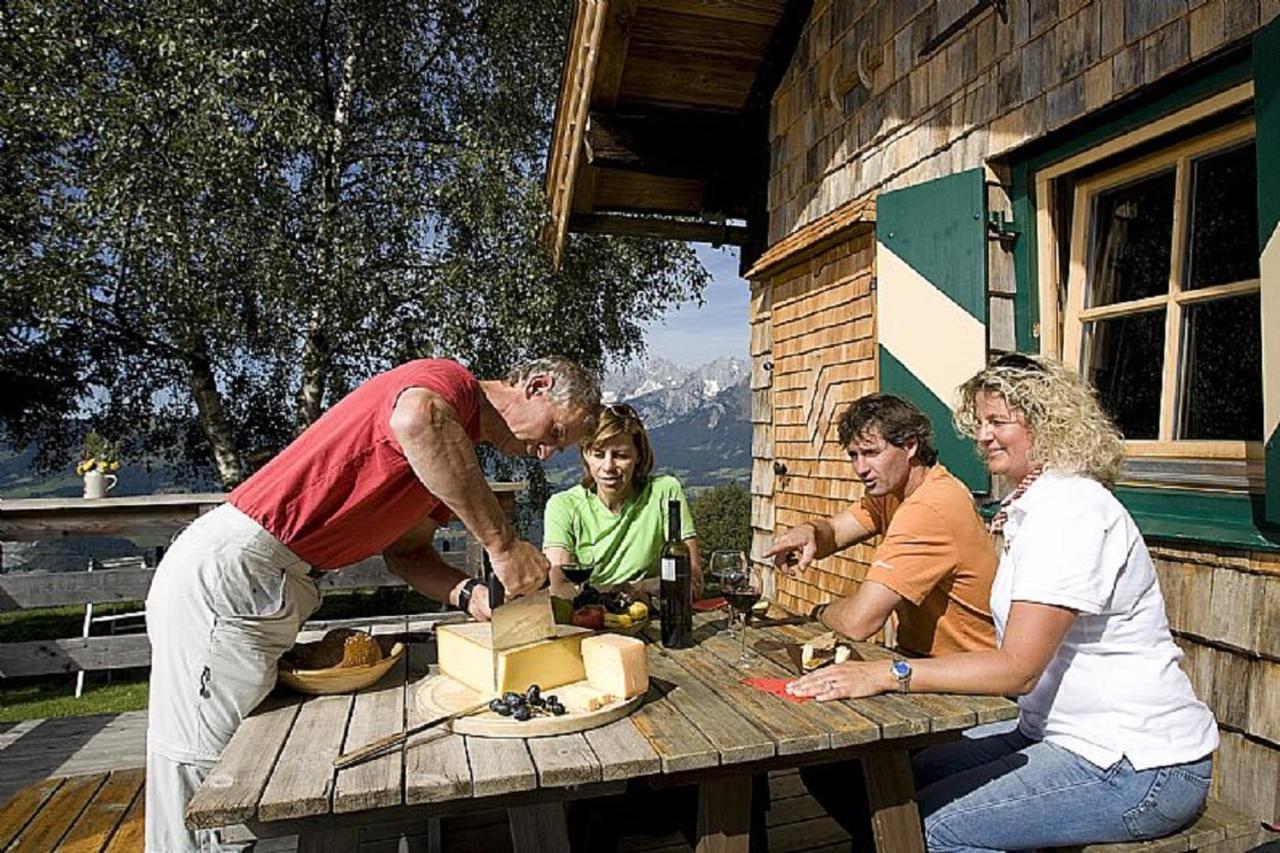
(677, 588)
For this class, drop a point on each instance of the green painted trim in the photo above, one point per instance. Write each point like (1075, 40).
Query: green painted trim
(1026, 303)
(939, 229)
(1213, 518)
(954, 450)
(1271, 460)
(1266, 97)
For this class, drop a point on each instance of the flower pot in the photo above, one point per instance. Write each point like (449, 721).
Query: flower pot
(97, 484)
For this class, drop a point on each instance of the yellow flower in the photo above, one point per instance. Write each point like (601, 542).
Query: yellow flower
(115, 466)
(102, 465)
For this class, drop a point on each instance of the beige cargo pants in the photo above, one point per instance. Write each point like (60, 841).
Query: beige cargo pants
(226, 602)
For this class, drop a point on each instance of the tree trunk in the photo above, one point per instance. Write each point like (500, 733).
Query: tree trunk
(213, 418)
(316, 348)
(315, 369)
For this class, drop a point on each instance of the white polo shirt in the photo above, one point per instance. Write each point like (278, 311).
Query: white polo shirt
(1114, 688)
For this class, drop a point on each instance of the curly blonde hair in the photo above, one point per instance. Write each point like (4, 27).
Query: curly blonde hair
(1069, 431)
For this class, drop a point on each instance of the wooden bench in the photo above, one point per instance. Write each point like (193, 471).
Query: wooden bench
(1219, 829)
(97, 813)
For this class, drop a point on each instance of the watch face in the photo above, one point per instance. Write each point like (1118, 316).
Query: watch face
(901, 668)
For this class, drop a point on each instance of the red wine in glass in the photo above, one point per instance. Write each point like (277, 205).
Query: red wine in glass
(742, 600)
(577, 574)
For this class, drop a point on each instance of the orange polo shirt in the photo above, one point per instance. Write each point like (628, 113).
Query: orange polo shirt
(936, 554)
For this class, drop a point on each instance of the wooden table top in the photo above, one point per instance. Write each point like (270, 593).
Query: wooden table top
(698, 716)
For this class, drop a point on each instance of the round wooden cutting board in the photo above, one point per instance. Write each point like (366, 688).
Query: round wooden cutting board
(438, 695)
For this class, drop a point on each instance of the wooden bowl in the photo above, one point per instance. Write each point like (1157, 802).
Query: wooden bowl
(341, 679)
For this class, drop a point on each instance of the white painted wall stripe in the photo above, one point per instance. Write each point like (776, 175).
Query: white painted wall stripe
(1269, 269)
(936, 339)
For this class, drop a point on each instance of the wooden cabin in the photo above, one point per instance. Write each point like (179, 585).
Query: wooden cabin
(917, 185)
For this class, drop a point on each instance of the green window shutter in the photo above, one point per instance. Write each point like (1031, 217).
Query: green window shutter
(931, 303)
(1266, 81)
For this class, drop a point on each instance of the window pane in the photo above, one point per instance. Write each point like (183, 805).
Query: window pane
(1132, 232)
(1222, 343)
(1224, 218)
(1123, 359)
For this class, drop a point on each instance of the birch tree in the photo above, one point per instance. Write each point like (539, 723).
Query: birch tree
(216, 217)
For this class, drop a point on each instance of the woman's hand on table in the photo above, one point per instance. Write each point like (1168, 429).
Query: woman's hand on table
(849, 680)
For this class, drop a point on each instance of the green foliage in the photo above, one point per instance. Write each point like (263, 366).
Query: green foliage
(217, 218)
(722, 517)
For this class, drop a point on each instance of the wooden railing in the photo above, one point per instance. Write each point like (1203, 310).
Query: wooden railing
(165, 515)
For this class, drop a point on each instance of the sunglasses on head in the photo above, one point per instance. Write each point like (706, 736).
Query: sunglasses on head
(1018, 361)
(622, 410)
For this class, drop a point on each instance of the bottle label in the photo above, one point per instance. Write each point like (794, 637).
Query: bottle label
(668, 568)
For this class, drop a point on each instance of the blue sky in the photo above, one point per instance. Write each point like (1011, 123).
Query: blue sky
(690, 335)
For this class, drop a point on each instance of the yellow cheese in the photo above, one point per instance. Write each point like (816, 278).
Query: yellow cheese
(616, 664)
(466, 655)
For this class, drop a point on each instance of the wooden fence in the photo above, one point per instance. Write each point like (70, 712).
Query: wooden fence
(39, 519)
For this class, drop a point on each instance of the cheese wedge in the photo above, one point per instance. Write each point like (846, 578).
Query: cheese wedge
(616, 665)
(466, 655)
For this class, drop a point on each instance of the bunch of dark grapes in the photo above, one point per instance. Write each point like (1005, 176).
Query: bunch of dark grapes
(523, 706)
(614, 600)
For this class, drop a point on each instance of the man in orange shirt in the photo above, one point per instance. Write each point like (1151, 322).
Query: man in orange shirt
(934, 566)
(936, 562)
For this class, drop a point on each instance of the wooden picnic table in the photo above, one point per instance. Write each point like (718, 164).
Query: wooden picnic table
(698, 725)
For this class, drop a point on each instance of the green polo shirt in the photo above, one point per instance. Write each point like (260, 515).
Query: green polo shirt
(625, 546)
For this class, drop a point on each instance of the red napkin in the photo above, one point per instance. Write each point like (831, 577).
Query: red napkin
(776, 686)
(710, 603)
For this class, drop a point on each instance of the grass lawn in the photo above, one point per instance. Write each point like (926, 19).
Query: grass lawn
(54, 695)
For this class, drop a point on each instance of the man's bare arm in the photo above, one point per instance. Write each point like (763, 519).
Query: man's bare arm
(414, 558)
(860, 615)
(444, 460)
(817, 539)
(443, 457)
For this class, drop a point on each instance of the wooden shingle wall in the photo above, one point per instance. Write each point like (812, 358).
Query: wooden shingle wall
(1224, 609)
(814, 323)
(991, 88)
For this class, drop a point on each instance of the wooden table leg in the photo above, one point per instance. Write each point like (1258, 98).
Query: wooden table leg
(891, 793)
(724, 814)
(336, 840)
(539, 828)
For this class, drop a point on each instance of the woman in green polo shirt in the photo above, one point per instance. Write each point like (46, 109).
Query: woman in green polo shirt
(617, 517)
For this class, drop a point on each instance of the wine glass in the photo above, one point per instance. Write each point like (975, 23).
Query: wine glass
(743, 595)
(578, 573)
(728, 569)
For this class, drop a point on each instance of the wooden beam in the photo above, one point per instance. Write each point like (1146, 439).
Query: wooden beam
(614, 39)
(665, 229)
(671, 143)
(24, 590)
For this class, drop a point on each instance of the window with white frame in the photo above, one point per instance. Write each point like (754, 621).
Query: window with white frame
(1154, 260)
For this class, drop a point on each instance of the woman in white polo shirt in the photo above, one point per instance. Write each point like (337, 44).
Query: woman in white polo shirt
(1112, 744)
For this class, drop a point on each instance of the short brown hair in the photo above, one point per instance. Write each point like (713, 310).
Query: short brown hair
(897, 421)
(616, 420)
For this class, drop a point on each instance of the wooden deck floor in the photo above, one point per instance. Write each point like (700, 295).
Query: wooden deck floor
(34, 750)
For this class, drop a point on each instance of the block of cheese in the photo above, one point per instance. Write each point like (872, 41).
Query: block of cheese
(616, 664)
(466, 654)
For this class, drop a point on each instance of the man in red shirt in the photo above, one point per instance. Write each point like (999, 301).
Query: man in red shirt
(377, 473)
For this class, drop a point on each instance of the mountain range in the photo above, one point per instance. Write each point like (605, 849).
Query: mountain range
(697, 419)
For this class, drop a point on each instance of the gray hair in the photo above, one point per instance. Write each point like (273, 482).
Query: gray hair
(570, 383)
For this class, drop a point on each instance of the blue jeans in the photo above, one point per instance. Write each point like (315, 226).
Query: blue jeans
(1008, 792)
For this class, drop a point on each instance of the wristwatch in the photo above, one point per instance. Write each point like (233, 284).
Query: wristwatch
(464, 594)
(902, 672)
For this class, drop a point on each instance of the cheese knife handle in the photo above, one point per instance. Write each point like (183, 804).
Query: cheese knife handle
(382, 745)
(497, 592)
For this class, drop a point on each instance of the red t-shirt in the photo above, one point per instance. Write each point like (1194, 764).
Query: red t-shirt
(343, 490)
